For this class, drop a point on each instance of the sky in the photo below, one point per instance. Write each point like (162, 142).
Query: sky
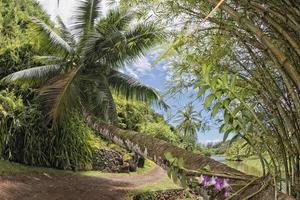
(145, 69)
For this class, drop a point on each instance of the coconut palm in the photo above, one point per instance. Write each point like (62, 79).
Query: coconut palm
(84, 68)
(189, 123)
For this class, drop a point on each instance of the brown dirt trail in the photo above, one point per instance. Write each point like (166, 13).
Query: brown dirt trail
(72, 187)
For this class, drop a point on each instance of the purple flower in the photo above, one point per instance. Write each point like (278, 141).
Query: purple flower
(212, 181)
(201, 179)
(219, 184)
(227, 192)
(206, 181)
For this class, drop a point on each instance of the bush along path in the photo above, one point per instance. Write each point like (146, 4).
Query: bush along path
(204, 176)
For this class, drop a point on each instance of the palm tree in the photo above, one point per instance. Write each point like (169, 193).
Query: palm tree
(189, 123)
(83, 69)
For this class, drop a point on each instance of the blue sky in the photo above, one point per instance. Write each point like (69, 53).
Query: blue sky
(147, 70)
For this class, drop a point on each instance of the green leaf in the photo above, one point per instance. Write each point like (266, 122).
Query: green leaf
(203, 90)
(235, 123)
(221, 128)
(225, 79)
(215, 109)
(207, 168)
(234, 138)
(233, 81)
(168, 156)
(206, 72)
(237, 110)
(214, 81)
(180, 162)
(198, 84)
(169, 172)
(208, 100)
(183, 181)
(218, 93)
(226, 134)
(132, 88)
(227, 101)
(226, 117)
(174, 176)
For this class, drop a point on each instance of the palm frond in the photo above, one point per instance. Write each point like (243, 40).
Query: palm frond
(139, 39)
(87, 13)
(131, 88)
(115, 20)
(60, 96)
(97, 99)
(66, 33)
(36, 74)
(116, 47)
(54, 39)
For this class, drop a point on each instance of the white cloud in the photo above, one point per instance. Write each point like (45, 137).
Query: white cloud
(211, 141)
(67, 8)
(142, 65)
(130, 72)
(64, 10)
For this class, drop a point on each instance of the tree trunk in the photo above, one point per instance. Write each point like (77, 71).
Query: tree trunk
(243, 186)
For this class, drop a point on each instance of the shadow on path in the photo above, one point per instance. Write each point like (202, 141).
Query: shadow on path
(72, 187)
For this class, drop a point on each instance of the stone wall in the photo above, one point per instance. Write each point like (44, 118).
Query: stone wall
(111, 160)
(174, 194)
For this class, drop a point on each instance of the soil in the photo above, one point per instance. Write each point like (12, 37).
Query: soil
(73, 187)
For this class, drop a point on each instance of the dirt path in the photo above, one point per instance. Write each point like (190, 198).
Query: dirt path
(45, 187)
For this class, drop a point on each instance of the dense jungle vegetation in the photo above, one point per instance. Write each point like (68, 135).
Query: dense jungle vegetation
(240, 58)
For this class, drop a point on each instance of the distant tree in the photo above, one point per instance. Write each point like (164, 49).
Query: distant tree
(190, 123)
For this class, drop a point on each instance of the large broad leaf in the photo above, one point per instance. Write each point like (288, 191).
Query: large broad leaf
(133, 89)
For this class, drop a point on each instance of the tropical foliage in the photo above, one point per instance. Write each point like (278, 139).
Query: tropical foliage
(83, 67)
(138, 116)
(240, 57)
(82, 70)
(17, 44)
(244, 60)
(25, 138)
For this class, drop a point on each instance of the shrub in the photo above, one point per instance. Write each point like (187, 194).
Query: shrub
(24, 137)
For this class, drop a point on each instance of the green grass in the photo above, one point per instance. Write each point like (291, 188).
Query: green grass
(148, 166)
(164, 184)
(10, 168)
